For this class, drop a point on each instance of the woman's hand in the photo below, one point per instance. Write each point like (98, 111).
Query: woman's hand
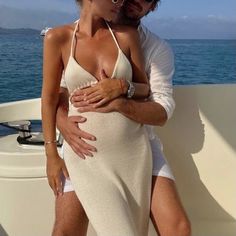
(55, 167)
(100, 93)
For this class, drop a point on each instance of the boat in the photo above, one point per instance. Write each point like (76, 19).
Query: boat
(44, 31)
(199, 143)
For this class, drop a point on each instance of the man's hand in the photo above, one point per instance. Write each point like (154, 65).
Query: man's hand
(100, 93)
(111, 106)
(74, 136)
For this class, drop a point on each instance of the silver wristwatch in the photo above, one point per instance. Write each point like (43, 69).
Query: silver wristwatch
(131, 89)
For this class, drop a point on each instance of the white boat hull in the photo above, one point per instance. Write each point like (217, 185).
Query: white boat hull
(199, 143)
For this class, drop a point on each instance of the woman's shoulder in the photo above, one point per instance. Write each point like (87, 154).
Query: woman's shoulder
(60, 34)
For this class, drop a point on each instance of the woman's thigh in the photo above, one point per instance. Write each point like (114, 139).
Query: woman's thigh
(71, 218)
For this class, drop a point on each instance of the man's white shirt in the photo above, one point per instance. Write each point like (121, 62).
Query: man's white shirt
(159, 67)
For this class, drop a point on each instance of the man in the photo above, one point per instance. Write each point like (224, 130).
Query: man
(167, 213)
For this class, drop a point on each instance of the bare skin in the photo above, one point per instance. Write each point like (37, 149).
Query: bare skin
(167, 213)
(92, 35)
(97, 54)
(165, 202)
(71, 219)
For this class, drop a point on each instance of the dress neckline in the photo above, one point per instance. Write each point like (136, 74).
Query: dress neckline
(72, 58)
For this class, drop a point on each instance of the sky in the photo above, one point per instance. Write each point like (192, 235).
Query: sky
(173, 18)
(198, 8)
(169, 8)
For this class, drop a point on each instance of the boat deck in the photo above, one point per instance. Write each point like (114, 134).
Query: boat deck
(200, 145)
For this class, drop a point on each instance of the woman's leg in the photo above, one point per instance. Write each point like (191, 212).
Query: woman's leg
(71, 218)
(167, 213)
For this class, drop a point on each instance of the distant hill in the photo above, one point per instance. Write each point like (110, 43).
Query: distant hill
(210, 27)
(19, 31)
(192, 28)
(33, 19)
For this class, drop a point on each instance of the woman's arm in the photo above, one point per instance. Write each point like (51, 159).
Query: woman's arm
(52, 71)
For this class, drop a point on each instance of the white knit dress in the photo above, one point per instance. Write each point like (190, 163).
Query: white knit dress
(114, 186)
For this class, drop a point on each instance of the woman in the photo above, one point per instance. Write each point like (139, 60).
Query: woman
(113, 186)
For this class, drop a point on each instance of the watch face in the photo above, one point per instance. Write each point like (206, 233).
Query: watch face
(131, 90)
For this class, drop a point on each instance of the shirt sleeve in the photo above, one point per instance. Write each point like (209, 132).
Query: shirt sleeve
(161, 71)
(63, 82)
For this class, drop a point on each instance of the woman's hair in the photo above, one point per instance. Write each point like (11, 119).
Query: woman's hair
(156, 3)
(79, 2)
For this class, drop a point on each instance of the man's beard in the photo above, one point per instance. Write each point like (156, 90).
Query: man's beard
(126, 18)
(133, 10)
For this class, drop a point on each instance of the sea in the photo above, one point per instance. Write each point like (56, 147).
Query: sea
(196, 62)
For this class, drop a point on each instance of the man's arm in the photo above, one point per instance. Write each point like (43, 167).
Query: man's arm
(161, 104)
(161, 71)
(69, 127)
(145, 112)
(63, 106)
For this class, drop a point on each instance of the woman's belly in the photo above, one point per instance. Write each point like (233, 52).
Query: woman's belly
(111, 129)
(122, 146)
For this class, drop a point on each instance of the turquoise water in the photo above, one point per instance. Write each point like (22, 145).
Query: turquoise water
(197, 62)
